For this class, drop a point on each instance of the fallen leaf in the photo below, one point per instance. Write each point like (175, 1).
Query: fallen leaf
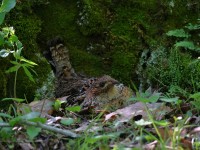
(157, 110)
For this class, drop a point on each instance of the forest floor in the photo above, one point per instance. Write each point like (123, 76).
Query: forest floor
(151, 121)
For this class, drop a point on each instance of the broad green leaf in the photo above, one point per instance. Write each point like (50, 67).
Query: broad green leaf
(33, 131)
(13, 38)
(31, 115)
(19, 45)
(15, 121)
(67, 121)
(57, 104)
(185, 44)
(13, 69)
(28, 73)
(74, 108)
(14, 99)
(2, 16)
(178, 33)
(7, 5)
(5, 115)
(28, 61)
(4, 53)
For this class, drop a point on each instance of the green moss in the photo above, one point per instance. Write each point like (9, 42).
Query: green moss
(123, 66)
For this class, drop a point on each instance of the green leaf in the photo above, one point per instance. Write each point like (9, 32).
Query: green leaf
(17, 53)
(67, 121)
(31, 115)
(192, 27)
(15, 121)
(28, 61)
(2, 16)
(13, 69)
(13, 38)
(14, 99)
(162, 123)
(170, 100)
(185, 44)
(14, 62)
(19, 44)
(5, 115)
(33, 131)
(57, 105)
(38, 119)
(195, 95)
(74, 108)
(178, 33)
(7, 5)
(28, 73)
(4, 53)
(154, 98)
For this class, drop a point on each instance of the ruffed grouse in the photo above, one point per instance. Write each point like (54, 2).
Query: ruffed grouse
(101, 93)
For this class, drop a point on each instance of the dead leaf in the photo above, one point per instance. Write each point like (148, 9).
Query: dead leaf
(157, 110)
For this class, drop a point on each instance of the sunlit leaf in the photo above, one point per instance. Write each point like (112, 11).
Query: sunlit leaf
(162, 123)
(57, 104)
(142, 122)
(13, 38)
(4, 53)
(33, 131)
(28, 61)
(74, 108)
(7, 5)
(14, 99)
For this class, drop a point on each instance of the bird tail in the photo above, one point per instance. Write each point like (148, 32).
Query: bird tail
(58, 56)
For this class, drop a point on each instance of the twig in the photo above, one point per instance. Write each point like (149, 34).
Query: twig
(46, 127)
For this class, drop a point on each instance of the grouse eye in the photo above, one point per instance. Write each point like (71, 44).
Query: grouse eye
(102, 84)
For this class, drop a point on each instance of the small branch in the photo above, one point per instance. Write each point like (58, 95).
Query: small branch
(46, 127)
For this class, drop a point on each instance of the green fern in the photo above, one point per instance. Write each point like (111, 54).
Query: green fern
(178, 33)
(185, 44)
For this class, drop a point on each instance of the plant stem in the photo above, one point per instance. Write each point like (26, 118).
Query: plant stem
(15, 84)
